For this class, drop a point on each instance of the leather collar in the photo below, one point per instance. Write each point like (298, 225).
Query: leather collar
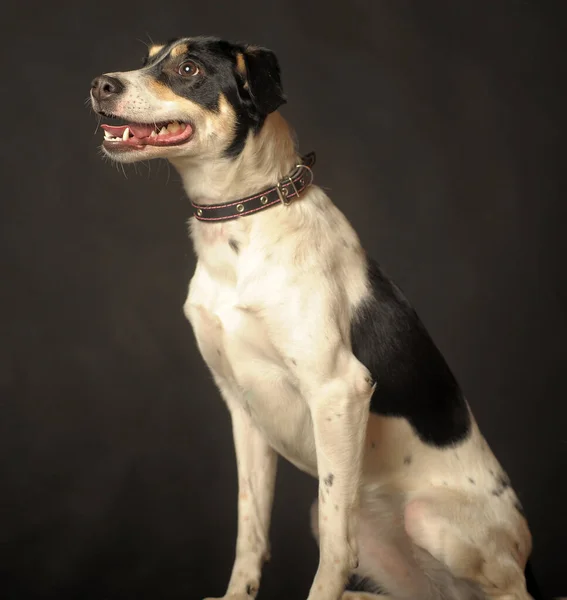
(287, 189)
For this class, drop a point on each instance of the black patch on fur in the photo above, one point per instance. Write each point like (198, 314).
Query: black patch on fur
(472, 480)
(264, 81)
(234, 245)
(413, 379)
(407, 460)
(356, 583)
(502, 484)
(252, 96)
(328, 481)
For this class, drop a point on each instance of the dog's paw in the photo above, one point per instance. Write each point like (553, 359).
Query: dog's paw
(250, 593)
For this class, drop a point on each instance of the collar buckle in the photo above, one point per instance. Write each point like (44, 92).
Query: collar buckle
(283, 191)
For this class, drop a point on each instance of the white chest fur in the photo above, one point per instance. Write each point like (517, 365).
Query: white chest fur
(268, 293)
(249, 370)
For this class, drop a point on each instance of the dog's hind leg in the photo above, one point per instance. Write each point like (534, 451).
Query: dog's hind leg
(391, 564)
(476, 542)
(384, 570)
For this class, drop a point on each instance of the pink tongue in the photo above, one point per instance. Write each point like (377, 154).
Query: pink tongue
(138, 130)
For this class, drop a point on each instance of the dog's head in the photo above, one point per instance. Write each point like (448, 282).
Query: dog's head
(192, 97)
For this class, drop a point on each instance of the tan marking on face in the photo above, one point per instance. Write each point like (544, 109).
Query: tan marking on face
(166, 94)
(214, 129)
(155, 49)
(224, 118)
(179, 50)
(241, 64)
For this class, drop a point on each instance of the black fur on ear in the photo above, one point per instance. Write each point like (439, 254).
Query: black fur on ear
(263, 78)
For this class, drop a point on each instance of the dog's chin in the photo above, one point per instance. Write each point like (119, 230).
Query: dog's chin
(142, 141)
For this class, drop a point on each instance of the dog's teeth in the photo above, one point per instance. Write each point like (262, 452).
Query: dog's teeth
(163, 131)
(173, 127)
(153, 134)
(107, 135)
(126, 134)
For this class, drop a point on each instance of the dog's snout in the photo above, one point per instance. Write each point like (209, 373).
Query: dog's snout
(105, 87)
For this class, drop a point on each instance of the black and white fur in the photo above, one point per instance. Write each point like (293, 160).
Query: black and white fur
(318, 355)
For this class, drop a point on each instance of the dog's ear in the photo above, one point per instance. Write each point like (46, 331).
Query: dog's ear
(260, 68)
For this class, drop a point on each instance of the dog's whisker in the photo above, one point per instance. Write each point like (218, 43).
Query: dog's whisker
(168, 172)
(147, 164)
(146, 44)
(98, 122)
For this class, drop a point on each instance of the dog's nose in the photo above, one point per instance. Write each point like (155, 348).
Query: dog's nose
(104, 87)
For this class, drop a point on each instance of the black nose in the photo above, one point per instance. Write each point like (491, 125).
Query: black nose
(104, 87)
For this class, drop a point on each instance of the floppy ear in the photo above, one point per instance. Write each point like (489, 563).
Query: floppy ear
(263, 78)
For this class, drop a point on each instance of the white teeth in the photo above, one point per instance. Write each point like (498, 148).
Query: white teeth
(174, 127)
(108, 137)
(163, 131)
(153, 134)
(126, 134)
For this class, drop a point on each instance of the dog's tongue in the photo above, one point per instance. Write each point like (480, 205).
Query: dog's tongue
(139, 130)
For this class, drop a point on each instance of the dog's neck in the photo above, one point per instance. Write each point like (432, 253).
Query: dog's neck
(266, 158)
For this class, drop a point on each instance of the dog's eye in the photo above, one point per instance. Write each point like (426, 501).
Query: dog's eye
(188, 68)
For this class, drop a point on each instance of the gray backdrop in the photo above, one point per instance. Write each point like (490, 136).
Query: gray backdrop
(437, 127)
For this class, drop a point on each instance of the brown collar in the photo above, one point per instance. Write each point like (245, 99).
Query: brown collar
(289, 188)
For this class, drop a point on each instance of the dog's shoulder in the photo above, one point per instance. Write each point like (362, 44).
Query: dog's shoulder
(413, 379)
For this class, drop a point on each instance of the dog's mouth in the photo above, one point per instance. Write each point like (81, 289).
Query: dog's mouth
(138, 135)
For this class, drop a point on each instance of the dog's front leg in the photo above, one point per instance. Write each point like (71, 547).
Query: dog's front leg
(340, 414)
(256, 464)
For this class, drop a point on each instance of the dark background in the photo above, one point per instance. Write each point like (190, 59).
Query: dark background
(437, 127)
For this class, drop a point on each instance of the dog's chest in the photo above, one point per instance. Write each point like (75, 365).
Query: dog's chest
(236, 346)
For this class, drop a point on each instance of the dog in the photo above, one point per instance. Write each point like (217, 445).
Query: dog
(318, 355)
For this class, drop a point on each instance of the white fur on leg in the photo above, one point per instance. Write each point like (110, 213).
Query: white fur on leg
(256, 463)
(340, 415)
